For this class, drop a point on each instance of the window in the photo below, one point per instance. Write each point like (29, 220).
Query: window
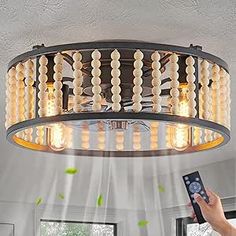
(7, 229)
(186, 227)
(73, 228)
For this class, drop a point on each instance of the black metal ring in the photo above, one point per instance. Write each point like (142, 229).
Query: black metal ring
(129, 45)
(225, 133)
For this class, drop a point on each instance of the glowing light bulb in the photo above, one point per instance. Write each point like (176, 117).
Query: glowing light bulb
(56, 137)
(56, 133)
(180, 133)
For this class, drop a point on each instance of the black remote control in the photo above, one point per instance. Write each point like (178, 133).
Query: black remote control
(193, 185)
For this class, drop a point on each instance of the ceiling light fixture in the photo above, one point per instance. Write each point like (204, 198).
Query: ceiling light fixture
(118, 98)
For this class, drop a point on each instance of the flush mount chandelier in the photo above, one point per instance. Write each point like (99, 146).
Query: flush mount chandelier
(118, 98)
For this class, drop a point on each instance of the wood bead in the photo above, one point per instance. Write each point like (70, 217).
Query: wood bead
(20, 92)
(85, 136)
(39, 135)
(223, 97)
(57, 85)
(43, 60)
(29, 96)
(138, 64)
(116, 107)
(101, 137)
(116, 89)
(215, 93)
(136, 138)
(7, 108)
(77, 57)
(174, 92)
(206, 113)
(42, 95)
(96, 81)
(154, 127)
(120, 140)
(78, 81)
(96, 55)
(156, 82)
(11, 97)
(191, 95)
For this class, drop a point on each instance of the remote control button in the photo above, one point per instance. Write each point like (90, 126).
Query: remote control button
(187, 182)
(204, 197)
(192, 196)
(186, 178)
(195, 187)
(202, 192)
(197, 179)
(194, 201)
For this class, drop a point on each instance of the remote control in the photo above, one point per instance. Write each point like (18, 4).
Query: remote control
(193, 185)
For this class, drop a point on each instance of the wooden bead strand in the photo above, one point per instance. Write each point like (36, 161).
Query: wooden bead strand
(43, 78)
(20, 93)
(29, 98)
(215, 93)
(154, 126)
(174, 76)
(156, 82)
(57, 85)
(85, 136)
(77, 82)
(223, 112)
(8, 106)
(101, 136)
(120, 139)
(206, 98)
(12, 96)
(228, 100)
(42, 95)
(205, 90)
(115, 81)
(197, 134)
(96, 81)
(40, 135)
(191, 95)
(69, 136)
(136, 138)
(137, 89)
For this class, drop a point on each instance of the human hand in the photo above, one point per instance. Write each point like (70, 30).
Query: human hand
(213, 213)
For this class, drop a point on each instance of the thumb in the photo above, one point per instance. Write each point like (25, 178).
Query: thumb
(200, 201)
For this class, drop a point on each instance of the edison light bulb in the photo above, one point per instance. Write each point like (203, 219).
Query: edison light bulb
(56, 137)
(56, 133)
(180, 133)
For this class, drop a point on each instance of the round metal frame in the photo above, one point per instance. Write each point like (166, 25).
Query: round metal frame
(194, 51)
(225, 133)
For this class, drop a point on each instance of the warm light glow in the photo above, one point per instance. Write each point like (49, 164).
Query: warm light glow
(55, 132)
(180, 133)
(56, 137)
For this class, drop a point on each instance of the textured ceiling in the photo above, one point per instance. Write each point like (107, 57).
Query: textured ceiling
(24, 23)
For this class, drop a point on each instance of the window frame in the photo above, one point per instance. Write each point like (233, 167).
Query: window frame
(81, 222)
(181, 223)
(81, 214)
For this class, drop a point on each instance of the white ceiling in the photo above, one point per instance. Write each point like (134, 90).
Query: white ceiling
(24, 23)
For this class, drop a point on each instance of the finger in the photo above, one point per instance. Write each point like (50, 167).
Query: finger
(193, 215)
(200, 201)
